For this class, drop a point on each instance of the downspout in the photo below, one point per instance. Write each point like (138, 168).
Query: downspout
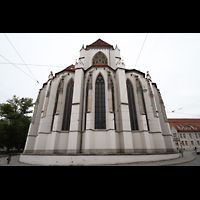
(82, 113)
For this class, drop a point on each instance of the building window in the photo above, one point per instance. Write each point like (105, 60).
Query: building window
(100, 115)
(68, 106)
(184, 135)
(86, 102)
(99, 58)
(190, 135)
(174, 135)
(196, 135)
(141, 100)
(186, 143)
(57, 101)
(181, 135)
(113, 102)
(198, 143)
(192, 143)
(183, 143)
(132, 108)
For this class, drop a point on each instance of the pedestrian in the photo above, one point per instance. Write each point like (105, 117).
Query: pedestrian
(8, 159)
(181, 151)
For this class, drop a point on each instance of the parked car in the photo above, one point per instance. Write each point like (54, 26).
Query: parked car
(197, 151)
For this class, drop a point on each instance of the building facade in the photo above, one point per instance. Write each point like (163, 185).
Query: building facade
(97, 106)
(186, 133)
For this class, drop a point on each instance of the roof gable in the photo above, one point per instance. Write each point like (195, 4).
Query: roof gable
(98, 43)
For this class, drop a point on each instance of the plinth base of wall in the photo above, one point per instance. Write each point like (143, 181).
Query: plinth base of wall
(92, 159)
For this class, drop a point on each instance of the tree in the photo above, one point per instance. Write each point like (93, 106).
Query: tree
(14, 122)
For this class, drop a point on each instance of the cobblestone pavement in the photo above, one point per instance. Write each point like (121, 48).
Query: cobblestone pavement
(190, 159)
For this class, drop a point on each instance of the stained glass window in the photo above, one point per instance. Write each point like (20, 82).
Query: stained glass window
(132, 108)
(100, 115)
(99, 58)
(68, 106)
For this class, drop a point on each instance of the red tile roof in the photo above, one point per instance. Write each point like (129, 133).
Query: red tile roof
(185, 125)
(97, 64)
(71, 68)
(98, 43)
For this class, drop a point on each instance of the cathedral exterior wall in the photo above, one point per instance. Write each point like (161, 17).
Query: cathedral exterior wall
(151, 134)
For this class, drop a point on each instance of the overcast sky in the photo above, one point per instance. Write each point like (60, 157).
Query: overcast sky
(173, 60)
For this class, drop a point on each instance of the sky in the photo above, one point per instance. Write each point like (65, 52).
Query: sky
(172, 59)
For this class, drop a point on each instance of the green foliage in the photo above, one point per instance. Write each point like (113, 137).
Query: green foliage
(14, 122)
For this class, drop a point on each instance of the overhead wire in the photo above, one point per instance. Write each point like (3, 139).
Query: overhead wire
(153, 48)
(18, 68)
(185, 106)
(186, 114)
(141, 50)
(134, 67)
(34, 65)
(21, 57)
(34, 80)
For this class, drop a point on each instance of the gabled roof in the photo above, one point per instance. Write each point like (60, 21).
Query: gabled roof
(99, 43)
(135, 70)
(70, 68)
(185, 125)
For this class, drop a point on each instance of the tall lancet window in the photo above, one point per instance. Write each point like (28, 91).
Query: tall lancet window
(88, 97)
(141, 100)
(58, 100)
(99, 58)
(68, 106)
(86, 103)
(100, 115)
(113, 101)
(132, 108)
(111, 97)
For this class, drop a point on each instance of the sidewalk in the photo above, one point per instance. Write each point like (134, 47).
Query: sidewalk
(188, 156)
(14, 161)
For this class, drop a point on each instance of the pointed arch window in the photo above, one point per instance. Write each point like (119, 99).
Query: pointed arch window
(58, 100)
(132, 108)
(141, 100)
(100, 115)
(100, 58)
(68, 106)
(113, 102)
(86, 103)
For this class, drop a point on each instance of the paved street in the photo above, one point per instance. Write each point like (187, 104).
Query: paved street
(195, 162)
(190, 159)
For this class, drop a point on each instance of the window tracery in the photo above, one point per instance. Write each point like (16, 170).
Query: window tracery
(132, 108)
(100, 115)
(68, 106)
(100, 58)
